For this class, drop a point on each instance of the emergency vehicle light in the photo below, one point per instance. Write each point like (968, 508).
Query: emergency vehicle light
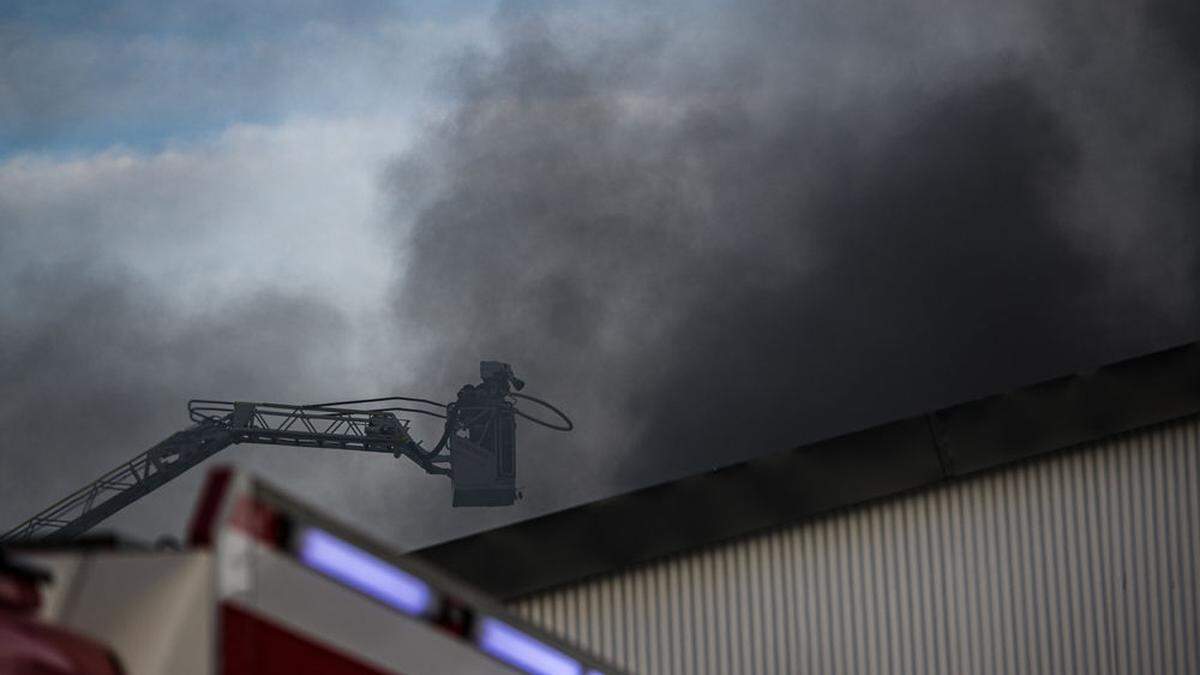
(523, 651)
(364, 572)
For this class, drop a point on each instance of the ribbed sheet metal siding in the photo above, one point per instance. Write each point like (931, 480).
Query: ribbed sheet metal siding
(1081, 562)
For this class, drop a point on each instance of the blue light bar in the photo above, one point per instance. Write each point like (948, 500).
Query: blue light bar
(518, 649)
(364, 572)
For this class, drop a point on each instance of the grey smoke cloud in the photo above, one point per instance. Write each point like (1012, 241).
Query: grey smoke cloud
(242, 268)
(97, 367)
(719, 235)
(707, 234)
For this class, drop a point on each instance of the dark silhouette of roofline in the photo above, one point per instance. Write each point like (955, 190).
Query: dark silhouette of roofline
(783, 487)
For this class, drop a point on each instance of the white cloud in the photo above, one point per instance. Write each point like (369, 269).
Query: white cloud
(256, 206)
(294, 208)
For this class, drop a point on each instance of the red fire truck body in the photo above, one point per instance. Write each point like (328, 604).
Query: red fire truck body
(268, 586)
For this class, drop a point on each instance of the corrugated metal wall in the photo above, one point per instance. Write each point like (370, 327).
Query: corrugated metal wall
(1081, 562)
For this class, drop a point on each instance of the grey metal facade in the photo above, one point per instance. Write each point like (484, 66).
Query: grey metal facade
(1083, 561)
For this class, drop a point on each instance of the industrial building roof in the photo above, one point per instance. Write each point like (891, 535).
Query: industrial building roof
(776, 489)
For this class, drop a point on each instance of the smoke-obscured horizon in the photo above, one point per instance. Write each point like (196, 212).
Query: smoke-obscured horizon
(718, 235)
(706, 233)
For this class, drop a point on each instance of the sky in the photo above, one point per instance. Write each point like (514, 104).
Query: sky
(707, 230)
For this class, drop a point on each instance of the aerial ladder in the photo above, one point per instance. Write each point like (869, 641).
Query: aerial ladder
(477, 448)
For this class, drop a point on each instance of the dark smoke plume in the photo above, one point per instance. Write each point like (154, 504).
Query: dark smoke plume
(720, 235)
(707, 232)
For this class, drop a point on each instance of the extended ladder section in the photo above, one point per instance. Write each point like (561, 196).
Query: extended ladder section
(219, 424)
(477, 449)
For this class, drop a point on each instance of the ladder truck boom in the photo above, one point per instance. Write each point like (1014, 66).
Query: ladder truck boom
(477, 450)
